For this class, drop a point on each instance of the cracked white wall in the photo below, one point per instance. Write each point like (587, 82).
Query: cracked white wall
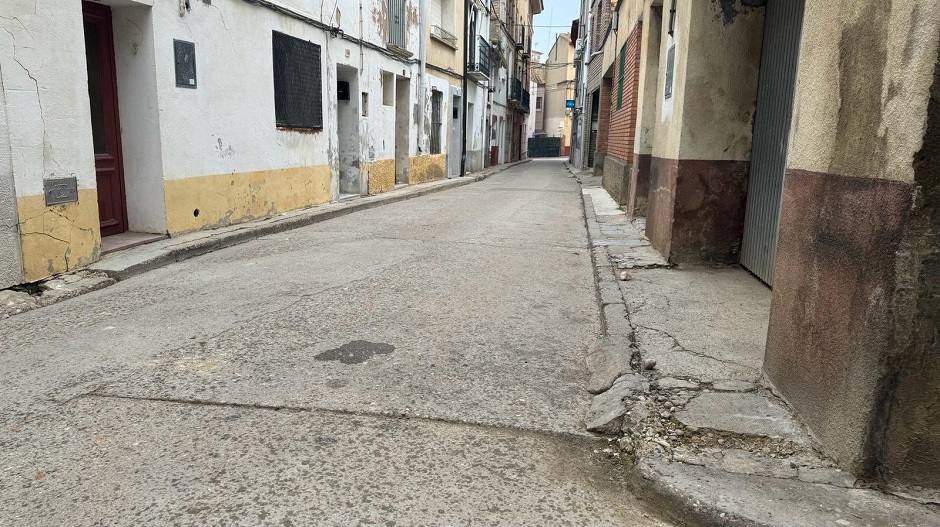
(11, 254)
(45, 93)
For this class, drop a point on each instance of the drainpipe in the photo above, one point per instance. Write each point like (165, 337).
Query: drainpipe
(465, 99)
(424, 31)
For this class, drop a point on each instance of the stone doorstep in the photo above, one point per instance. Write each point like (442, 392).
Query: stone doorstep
(124, 264)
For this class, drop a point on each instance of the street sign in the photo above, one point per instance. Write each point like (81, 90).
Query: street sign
(569, 103)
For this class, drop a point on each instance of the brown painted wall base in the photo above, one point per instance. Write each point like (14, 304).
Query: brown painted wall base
(616, 179)
(696, 209)
(638, 201)
(836, 308)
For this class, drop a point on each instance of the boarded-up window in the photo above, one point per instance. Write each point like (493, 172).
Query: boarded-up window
(298, 82)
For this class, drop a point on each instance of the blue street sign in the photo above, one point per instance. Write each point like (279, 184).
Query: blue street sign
(569, 103)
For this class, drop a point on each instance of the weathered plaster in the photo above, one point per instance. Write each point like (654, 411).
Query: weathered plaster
(720, 92)
(226, 199)
(381, 174)
(865, 69)
(11, 254)
(59, 238)
(424, 169)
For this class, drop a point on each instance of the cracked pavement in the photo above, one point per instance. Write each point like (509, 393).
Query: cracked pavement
(420, 363)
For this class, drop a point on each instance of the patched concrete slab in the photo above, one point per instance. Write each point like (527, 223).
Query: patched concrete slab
(741, 413)
(705, 323)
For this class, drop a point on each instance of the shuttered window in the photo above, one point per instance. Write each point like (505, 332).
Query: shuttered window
(623, 66)
(298, 83)
(437, 13)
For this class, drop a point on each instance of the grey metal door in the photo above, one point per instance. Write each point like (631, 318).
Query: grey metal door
(782, 28)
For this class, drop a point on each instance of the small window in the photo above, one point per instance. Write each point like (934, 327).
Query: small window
(670, 67)
(365, 104)
(437, 98)
(538, 103)
(623, 66)
(298, 83)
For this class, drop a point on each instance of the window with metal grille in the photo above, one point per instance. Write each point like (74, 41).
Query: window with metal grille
(623, 66)
(298, 83)
(670, 68)
(437, 98)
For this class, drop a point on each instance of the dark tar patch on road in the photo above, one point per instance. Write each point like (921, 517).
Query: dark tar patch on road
(356, 352)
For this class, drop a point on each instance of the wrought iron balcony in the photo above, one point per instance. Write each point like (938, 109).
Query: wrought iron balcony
(479, 66)
(516, 93)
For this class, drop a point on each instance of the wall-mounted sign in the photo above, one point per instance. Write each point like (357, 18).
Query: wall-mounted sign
(569, 103)
(60, 190)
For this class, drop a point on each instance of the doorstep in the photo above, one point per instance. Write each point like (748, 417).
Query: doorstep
(679, 392)
(127, 240)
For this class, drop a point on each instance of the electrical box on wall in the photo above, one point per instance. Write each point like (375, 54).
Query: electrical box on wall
(342, 90)
(185, 55)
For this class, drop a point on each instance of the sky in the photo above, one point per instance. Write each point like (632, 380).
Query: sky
(558, 13)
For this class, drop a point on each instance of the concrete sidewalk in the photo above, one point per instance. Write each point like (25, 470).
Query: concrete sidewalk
(124, 264)
(678, 385)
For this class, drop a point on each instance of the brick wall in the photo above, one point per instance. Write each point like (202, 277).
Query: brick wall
(623, 119)
(603, 116)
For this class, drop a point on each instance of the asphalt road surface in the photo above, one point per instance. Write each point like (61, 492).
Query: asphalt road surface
(415, 364)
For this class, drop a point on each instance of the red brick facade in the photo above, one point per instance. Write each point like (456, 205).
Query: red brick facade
(623, 120)
(603, 116)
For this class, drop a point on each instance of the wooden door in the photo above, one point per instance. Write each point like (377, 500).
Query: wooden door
(105, 124)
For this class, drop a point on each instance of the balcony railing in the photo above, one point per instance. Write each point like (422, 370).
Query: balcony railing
(441, 34)
(516, 93)
(479, 66)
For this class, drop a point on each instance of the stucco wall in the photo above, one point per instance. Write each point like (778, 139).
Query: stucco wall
(852, 338)
(878, 57)
(44, 79)
(11, 254)
(720, 73)
(135, 62)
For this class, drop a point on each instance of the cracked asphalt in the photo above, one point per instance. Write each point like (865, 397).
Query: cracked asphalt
(419, 363)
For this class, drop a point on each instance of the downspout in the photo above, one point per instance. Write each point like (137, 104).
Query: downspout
(424, 31)
(464, 98)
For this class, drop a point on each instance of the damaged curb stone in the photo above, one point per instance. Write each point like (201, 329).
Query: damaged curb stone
(607, 409)
(608, 363)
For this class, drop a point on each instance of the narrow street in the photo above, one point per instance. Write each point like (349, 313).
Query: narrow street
(420, 363)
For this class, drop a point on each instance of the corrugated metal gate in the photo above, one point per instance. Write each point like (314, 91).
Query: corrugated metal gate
(782, 28)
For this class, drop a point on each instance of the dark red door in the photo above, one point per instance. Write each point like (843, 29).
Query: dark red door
(105, 124)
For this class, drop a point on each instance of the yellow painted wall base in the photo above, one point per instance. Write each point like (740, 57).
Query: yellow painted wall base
(58, 238)
(381, 175)
(424, 169)
(227, 199)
